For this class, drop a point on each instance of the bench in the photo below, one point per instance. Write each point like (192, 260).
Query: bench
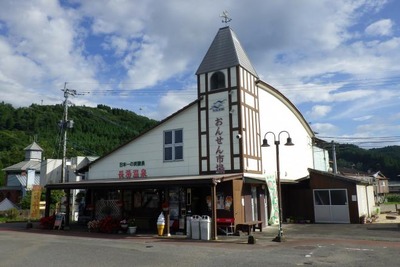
(249, 226)
(226, 225)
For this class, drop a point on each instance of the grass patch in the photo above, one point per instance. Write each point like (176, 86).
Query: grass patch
(393, 199)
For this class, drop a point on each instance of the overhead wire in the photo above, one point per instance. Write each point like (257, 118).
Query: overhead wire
(364, 141)
(306, 86)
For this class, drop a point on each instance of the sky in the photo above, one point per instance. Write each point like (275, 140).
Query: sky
(337, 61)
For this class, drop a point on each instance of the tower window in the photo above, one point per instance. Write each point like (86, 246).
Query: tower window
(217, 80)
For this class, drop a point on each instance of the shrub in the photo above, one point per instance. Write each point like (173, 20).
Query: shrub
(393, 198)
(109, 225)
(12, 214)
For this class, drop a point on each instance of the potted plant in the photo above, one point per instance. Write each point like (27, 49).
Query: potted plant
(93, 226)
(124, 224)
(132, 226)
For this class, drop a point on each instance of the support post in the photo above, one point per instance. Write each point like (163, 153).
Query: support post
(47, 206)
(67, 209)
(214, 211)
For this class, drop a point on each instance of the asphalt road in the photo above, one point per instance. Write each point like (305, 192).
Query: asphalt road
(308, 244)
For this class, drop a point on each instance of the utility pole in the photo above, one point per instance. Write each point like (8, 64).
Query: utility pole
(65, 124)
(334, 158)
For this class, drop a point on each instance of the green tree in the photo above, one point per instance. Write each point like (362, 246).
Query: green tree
(55, 197)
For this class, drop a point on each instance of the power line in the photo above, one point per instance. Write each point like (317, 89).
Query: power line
(361, 137)
(366, 142)
(306, 86)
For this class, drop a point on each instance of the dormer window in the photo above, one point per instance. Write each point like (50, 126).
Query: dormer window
(217, 80)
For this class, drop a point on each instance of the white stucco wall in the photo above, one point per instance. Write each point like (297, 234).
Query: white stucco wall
(148, 148)
(321, 159)
(50, 171)
(276, 116)
(365, 200)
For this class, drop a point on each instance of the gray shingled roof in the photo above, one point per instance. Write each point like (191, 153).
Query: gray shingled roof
(6, 204)
(225, 52)
(24, 165)
(34, 147)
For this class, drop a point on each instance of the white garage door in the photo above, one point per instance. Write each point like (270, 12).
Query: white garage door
(331, 206)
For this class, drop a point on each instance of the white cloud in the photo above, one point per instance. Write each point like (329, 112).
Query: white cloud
(173, 101)
(43, 41)
(314, 52)
(324, 129)
(363, 118)
(319, 111)
(380, 28)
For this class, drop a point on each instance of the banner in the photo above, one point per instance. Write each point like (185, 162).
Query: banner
(35, 201)
(273, 192)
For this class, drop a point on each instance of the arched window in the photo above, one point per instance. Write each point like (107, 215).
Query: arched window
(217, 80)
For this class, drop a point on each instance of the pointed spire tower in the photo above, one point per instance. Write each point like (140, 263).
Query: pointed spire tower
(225, 52)
(229, 128)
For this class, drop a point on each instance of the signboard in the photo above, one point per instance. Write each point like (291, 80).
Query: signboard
(35, 201)
(60, 217)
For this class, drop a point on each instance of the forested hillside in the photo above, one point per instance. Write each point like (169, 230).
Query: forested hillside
(386, 159)
(95, 132)
(99, 130)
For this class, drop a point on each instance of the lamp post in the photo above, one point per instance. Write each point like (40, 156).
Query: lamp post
(279, 237)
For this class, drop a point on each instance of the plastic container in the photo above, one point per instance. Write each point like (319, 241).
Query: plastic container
(195, 226)
(205, 227)
(188, 226)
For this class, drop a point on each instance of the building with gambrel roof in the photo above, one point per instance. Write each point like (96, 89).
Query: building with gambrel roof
(206, 159)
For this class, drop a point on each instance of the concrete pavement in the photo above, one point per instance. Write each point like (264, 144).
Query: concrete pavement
(387, 231)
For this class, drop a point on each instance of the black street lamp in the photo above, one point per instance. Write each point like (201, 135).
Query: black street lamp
(279, 237)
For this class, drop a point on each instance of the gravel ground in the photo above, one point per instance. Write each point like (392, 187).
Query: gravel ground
(388, 214)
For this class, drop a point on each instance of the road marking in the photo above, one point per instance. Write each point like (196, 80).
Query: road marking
(360, 249)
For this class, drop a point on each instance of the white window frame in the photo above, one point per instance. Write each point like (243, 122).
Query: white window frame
(173, 145)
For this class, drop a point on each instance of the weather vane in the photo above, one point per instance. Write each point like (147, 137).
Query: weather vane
(225, 18)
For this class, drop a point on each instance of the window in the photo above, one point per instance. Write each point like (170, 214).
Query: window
(339, 197)
(173, 145)
(321, 197)
(217, 80)
(330, 197)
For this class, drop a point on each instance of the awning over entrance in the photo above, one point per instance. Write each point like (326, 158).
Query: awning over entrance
(153, 182)
(165, 182)
(251, 178)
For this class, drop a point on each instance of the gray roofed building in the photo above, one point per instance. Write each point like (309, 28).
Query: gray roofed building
(6, 204)
(33, 157)
(23, 166)
(22, 175)
(225, 52)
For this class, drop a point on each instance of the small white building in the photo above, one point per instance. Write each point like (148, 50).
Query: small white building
(22, 175)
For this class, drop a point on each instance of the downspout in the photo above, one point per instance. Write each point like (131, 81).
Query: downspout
(214, 210)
